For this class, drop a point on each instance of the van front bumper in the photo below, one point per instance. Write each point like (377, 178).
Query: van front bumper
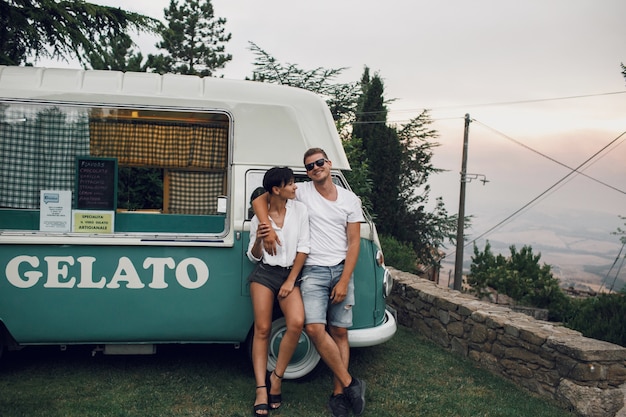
(375, 335)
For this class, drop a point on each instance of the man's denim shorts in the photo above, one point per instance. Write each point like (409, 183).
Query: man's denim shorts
(316, 286)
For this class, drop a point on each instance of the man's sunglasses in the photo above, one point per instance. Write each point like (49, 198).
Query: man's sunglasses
(320, 162)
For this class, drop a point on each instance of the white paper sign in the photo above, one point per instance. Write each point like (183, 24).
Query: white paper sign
(55, 211)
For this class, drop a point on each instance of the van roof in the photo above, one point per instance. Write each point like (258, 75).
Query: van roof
(272, 124)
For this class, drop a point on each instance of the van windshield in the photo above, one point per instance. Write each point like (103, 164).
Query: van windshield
(254, 186)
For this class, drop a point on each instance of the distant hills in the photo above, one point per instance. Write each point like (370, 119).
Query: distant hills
(577, 244)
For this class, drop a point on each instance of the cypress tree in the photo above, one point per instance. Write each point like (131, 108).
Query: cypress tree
(382, 149)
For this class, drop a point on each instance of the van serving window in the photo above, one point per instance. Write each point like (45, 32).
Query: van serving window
(170, 162)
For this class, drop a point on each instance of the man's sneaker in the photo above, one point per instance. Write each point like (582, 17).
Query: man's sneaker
(355, 393)
(338, 405)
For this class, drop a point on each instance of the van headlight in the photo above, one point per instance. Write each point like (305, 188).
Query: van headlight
(387, 278)
(380, 258)
(387, 283)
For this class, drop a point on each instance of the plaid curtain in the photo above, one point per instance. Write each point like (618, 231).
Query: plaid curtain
(195, 192)
(38, 147)
(168, 145)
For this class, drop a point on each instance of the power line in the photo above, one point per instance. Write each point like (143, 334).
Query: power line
(525, 206)
(465, 106)
(611, 268)
(506, 103)
(435, 119)
(548, 157)
(552, 188)
(617, 274)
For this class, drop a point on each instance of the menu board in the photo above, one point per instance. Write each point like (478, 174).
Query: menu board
(96, 180)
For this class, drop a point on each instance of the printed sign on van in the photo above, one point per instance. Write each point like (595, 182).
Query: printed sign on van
(93, 221)
(27, 271)
(55, 208)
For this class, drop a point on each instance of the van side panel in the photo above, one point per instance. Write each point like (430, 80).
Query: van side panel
(90, 294)
(367, 312)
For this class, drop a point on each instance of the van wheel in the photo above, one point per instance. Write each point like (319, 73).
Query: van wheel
(304, 359)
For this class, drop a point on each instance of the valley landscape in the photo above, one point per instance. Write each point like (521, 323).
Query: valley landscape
(579, 246)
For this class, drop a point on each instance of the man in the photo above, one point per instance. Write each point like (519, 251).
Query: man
(327, 285)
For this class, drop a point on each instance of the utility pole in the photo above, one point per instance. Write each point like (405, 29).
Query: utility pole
(460, 241)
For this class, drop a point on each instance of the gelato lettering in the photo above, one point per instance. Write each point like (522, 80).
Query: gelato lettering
(26, 271)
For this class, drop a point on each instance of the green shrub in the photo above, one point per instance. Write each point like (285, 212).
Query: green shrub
(601, 317)
(521, 277)
(400, 255)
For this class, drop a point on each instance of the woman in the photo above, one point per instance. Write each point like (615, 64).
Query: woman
(276, 277)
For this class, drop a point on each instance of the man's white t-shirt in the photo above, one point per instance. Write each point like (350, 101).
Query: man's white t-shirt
(328, 221)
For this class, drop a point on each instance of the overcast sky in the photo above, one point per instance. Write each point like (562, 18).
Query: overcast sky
(541, 79)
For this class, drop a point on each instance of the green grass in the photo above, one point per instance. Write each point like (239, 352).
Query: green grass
(408, 376)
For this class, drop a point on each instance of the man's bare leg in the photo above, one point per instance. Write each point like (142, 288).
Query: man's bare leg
(329, 352)
(340, 336)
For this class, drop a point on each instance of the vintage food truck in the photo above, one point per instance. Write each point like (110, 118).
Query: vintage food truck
(125, 209)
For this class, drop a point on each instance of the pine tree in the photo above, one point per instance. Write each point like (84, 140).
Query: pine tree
(194, 40)
(61, 29)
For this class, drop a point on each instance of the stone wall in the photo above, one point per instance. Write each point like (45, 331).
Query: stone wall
(584, 375)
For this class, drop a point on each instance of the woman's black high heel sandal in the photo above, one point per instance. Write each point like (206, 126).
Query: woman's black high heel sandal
(261, 407)
(273, 398)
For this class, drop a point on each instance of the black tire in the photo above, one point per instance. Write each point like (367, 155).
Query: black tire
(3, 340)
(304, 359)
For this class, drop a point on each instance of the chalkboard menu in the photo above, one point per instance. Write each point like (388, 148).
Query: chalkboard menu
(96, 180)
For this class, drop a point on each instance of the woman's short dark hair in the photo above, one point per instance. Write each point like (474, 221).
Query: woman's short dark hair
(277, 177)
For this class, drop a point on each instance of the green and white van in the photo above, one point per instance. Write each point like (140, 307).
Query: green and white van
(125, 208)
